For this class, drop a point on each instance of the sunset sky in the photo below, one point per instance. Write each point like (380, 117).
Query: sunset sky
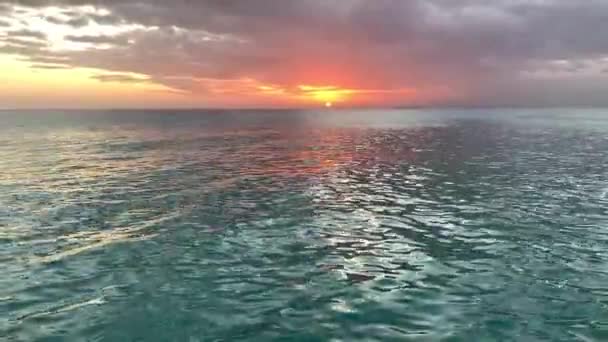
(302, 53)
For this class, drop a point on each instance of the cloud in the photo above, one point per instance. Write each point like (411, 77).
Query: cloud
(49, 66)
(459, 51)
(104, 19)
(25, 33)
(23, 42)
(77, 21)
(114, 40)
(121, 78)
(23, 49)
(45, 59)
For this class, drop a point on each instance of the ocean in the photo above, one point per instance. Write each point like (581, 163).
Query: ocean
(309, 225)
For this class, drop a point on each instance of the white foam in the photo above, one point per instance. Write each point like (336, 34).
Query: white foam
(65, 308)
(89, 240)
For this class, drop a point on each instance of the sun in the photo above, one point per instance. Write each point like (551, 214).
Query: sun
(326, 95)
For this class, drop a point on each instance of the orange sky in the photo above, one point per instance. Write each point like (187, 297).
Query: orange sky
(270, 53)
(24, 86)
(47, 62)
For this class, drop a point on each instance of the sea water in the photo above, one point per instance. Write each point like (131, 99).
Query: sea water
(337, 225)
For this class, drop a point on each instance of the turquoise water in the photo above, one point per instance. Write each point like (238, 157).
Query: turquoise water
(478, 225)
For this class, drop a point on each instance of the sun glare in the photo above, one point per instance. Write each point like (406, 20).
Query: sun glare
(325, 94)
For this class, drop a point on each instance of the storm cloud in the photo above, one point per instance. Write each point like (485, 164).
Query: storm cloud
(469, 52)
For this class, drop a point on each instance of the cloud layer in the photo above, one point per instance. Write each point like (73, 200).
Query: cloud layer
(465, 52)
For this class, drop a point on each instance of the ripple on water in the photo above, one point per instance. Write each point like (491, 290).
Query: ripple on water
(304, 227)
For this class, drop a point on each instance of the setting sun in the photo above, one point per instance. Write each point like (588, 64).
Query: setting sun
(325, 94)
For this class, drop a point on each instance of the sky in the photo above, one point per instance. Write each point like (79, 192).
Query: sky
(302, 53)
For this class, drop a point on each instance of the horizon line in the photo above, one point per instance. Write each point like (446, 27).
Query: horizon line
(324, 109)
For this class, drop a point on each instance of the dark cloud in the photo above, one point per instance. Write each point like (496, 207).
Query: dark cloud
(119, 78)
(23, 42)
(44, 59)
(76, 21)
(19, 49)
(49, 66)
(104, 19)
(117, 40)
(27, 34)
(482, 51)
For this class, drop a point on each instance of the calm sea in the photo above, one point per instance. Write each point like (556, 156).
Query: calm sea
(451, 225)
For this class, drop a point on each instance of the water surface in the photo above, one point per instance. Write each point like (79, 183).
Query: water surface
(476, 225)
